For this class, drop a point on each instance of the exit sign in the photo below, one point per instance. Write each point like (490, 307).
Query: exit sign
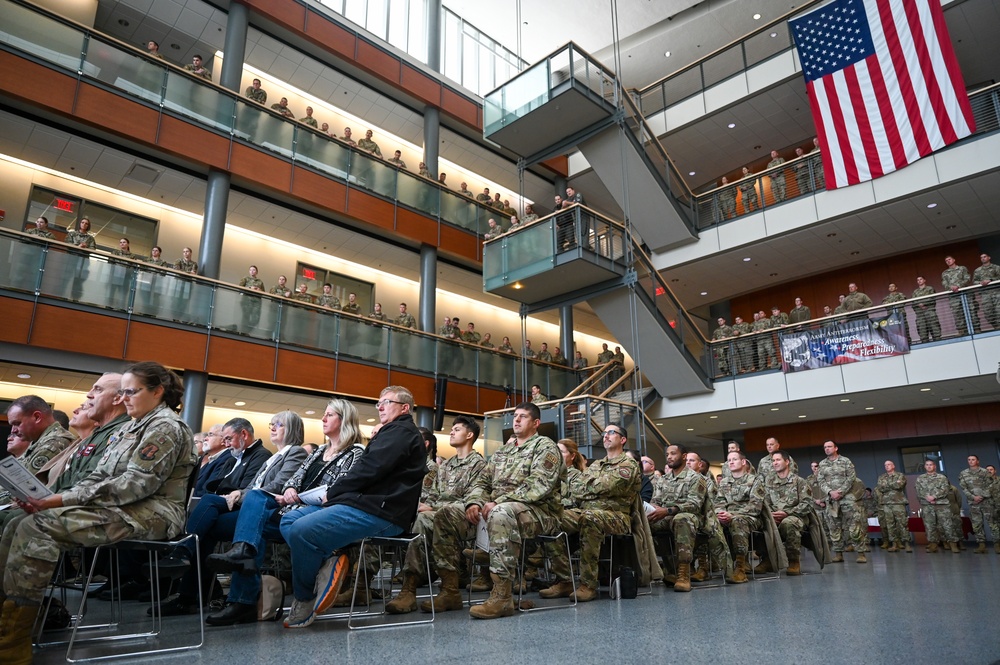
(64, 205)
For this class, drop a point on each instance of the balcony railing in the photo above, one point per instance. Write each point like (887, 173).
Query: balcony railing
(970, 312)
(89, 55)
(41, 269)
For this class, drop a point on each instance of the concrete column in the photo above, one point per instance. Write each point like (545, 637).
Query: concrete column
(432, 118)
(428, 287)
(214, 226)
(234, 47)
(566, 332)
(424, 417)
(195, 392)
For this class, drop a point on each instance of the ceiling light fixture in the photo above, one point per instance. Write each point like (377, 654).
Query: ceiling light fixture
(925, 390)
(370, 420)
(690, 172)
(713, 417)
(746, 259)
(24, 375)
(801, 416)
(310, 412)
(518, 286)
(667, 54)
(846, 400)
(756, 17)
(704, 293)
(731, 125)
(240, 403)
(774, 34)
(690, 429)
(774, 408)
(932, 205)
(743, 423)
(869, 408)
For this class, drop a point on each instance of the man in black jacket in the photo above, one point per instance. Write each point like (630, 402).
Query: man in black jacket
(377, 497)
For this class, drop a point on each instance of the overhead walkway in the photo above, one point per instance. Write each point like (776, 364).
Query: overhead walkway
(570, 100)
(579, 255)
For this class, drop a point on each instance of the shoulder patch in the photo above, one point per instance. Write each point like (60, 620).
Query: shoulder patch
(149, 452)
(550, 461)
(625, 472)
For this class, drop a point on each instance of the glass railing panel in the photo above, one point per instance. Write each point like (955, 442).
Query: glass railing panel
(530, 251)
(245, 312)
(460, 211)
(373, 174)
(202, 103)
(412, 350)
(308, 326)
(767, 44)
(126, 71)
(530, 90)
(682, 86)
(457, 360)
(267, 130)
(417, 193)
(562, 381)
(590, 76)
(67, 274)
(538, 374)
(496, 368)
(42, 37)
(493, 112)
(363, 338)
(322, 153)
(723, 65)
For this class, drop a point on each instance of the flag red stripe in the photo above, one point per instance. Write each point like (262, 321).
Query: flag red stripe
(881, 96)
(898, 61)
(857, 98)
(940, 110)
(840, 130)
(951, 62)
(820, 122)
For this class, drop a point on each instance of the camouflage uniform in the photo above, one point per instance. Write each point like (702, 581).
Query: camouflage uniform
(256, 94)
(451, 482)
(793, 496)
(201, 72)
(726, 206)
(330, 301)
(378, 316)
(370, 146)
(398, 163)
(990, 300)
(955, 502)
(523, 482)
(746, 186)
(743, 498)
(303, 297)
(928, 325)
(186, 266)
(799, 314)
(406, 320)
(891, 490)
(604, 493)
(716, 545)
(937, 515)
(855, 301)
(722, 349)
(686, 492)
(311, 121)
(765, 344)
(839, 475)
(76, 237)
(52, 442)
(765, 468)
(544, 356)
(777, 179)
(958, 276)
(352, 308)
(978, 482)
(278, 290)
(472, 337)
(41, 233)
(744, 347)
(137, 491)
(251, 304)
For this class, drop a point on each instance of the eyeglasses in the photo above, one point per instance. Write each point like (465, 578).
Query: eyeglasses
(130, 392)
(609, 432)
(382, 403)
(276, 425)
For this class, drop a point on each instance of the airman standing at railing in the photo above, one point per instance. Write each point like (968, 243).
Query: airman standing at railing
(954, 278)
(747, 189)
(928, 325)
(725, 202)
(778, 177)
(984, 274)
(744, 352)
(722, 350)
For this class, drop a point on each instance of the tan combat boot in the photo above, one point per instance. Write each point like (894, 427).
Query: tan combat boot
(448, 598)
(586, 593)
(683, 581)
(739, 575)
(793, 562)
(763, 567)
(954, 548)
(406, 601)
(479, 556)
(932, 548)
(499, 604)
(981, 548)
(862, 558)
(562, 589)
(16, 622)
(907, 546)
(701, 574)
(884, 545)
(481, 582)
(838, 557)
(891, 547)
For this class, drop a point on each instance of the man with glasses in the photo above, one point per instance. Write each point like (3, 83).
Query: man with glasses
(377, 497)
(605, 494)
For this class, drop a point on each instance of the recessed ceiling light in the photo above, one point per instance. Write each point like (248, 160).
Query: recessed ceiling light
(831, 235)
(240, 403)
(945, 399)
(746, 259)
(869, 408)
(951, 227)
(756, 17)
(932, 205)
(667, 54)
(123, 23)
(704, 293)
(24, 375)
(743, 423)
(855, 253)
(731, 125)
(774, 34)
(659, 424)
(774, 408)
(517, 285)
(370, 420)
(846, 400)
(690, 429)
(801, 416)
(925, 390)
(712, 417)
(690, 172)
(310, 412)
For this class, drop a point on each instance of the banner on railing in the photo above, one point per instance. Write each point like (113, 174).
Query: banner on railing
(842, 342)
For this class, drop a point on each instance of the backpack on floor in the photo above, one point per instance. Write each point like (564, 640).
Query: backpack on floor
(272, 599)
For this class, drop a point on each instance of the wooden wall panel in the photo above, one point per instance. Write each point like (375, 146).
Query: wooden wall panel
(379, 62)
(329, 35)
(319, 190)
(27, 80)
(420, 85)
(191, 142)
(900, 425)
(54, 328)
(414, 225)
(259, 168)
(559, 164)
(239, 359)
(17, 320)
(422, 387)
(461, 108)
(292, 14)
(359, 379)
(181, 349)
(96, 106)
(461, 397)
(872, 278)
(460, 242)
(303, 370)
(370, 209)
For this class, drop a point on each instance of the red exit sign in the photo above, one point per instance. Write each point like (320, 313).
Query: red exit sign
(64, 205)
(309, 274)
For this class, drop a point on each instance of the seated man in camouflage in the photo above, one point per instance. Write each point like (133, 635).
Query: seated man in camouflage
(517, 494)
(738, 505)
(451, 484)
(604, 492)
(677, 508)
(714, 553)
(790, 501)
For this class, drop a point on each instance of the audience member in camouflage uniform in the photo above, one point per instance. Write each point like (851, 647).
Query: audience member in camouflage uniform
(137, 491)
(744, 346)
(404, 319)
(766, 357)
(855, 300)
(891, 491)
(995, 506)
(766, 466)
(790, 500)
(800, 313)
(30, 418)
(777, 177)
(368, 145)
(604, 495)
(677, 508)
(990, 300)
(452, 483)
(251, 304)
(725, 201)
(198, 69)
(928, 324)
(543, 353)
(41, 229)
(517, 494)
(80, 237)
(933, 490)
(352, 306)
(954, 278)
(977, 484)
(327, 299)
(836, 478)
(748, 190)
(722, 349)
(256, 93)
(738, 504)
(185, 263)
(714, 554)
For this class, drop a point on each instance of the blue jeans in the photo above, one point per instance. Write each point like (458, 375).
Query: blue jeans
(257, 524)
(314, 533)
(212, 521)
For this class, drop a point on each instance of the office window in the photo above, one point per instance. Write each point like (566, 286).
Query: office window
(914, 457)
(315, 277)
(62, 210)
(107, 224)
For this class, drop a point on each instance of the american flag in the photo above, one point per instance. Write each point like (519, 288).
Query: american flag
(884, 85)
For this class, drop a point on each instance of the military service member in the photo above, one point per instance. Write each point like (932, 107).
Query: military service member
(397, 160)
(405, 319)
(800, 313)
(302, 294)
(801, 168)
(738, 503)
(185, 264)
(527, 351)
(722, 350)
(790, 501)
(766, 357)
(543, 353)
(451, 485)
(31, 419)
(928, 325)
(933, 490)
(777, 177)
(529, 215)
(744, 346)
(282, 108)
(537, 397)
(677, 507)
(855, 300)
(891, 492)
(251, 305)
(990, 300)
(836, 477)
(41, 229)
(766, 466)
(604, 494)
(580, 362)
(198, 69)
(309, 119)
(726, 201)
(977, 484)
(352, 305)
(80, 237)
(954, 278)
(281, 288)
(748, 190)
(505, 345)
(517, 495)
(327, 299)
(368, 145)
(256, 93)
(377, 313)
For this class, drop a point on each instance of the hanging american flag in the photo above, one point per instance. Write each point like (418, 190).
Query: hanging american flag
(884, 85)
